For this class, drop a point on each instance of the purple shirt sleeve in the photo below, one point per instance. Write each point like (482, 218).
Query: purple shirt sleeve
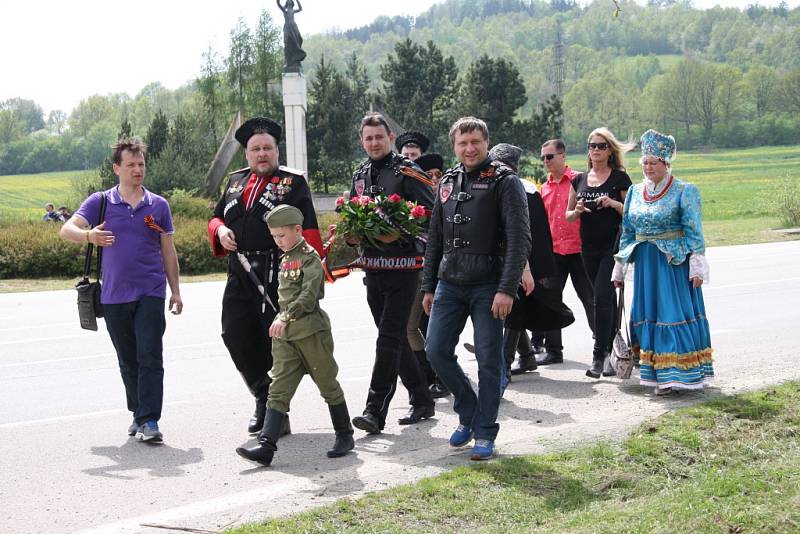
(90, 209)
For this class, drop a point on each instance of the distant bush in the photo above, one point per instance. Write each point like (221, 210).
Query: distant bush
(183, 203)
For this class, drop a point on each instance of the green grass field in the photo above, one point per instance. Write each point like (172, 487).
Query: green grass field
(23, 196)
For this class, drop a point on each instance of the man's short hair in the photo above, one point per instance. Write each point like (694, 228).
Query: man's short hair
(466, 125)
(131, 144)
(559, 144)
(374, 119)
(49, 205)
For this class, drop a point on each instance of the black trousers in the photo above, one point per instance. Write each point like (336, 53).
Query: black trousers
(390, 295)
(570, 265)
(515, 341)
(599, 266)
(245, 328)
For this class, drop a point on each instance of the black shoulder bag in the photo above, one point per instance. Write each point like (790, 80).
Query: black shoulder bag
(89, 306)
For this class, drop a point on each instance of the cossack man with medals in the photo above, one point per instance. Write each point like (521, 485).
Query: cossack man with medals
(239, 231)
(478, 244)
(392, 275)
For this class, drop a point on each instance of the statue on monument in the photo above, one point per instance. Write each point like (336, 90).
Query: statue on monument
(292, 40)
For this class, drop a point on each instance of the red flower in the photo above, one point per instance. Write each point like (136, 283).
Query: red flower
(339, 202)
(363, 200)
(418, 212)
(395, 198)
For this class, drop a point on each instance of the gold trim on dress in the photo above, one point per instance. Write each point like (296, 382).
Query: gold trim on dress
(675, 234)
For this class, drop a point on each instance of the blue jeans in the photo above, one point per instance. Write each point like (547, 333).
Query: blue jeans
(136, 329)
(452, 304)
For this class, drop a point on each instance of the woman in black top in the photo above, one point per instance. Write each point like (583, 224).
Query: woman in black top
(598, 198)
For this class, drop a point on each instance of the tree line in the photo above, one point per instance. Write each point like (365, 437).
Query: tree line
(720, 77)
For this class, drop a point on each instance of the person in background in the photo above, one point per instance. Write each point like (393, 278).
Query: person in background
(566, 245)
(598, 198)
(412, 144)
(662, 235)
(50, 213)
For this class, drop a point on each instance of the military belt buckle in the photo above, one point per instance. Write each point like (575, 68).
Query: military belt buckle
(458, 218)
(458, 242)
(375, 190)
(462, 196)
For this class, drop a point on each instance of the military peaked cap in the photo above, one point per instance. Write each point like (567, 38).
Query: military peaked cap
(284, 215)
(412, 137)
(430, 161)
(258, 125)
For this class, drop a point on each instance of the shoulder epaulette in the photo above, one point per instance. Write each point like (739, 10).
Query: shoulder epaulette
(237, 171)
(411, 172)
(290, 170)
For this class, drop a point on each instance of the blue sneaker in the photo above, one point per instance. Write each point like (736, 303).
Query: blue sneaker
(482, 450)
(149, 431)
(461, 436)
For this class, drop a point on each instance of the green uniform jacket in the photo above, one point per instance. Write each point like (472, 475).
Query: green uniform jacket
(301, 285)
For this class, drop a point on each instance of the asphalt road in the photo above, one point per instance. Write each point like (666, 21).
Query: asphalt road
(68, 465)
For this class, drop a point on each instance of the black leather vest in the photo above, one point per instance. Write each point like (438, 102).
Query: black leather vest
(387, 182)
(470, 210)
(250, 227)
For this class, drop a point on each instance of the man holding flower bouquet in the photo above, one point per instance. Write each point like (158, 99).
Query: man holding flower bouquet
(386, 216)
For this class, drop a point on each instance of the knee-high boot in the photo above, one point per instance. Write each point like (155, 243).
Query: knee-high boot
(344, 431)
(267, 439)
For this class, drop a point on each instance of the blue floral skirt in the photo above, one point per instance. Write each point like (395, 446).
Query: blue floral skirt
(668, 323)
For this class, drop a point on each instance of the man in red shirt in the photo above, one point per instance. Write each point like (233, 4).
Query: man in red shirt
(566, 243)
(238, 230)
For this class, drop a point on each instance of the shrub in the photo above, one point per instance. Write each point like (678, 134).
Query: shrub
(35, 250)
(787, 202)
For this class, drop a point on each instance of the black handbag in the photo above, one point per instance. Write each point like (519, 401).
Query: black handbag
(89, 306)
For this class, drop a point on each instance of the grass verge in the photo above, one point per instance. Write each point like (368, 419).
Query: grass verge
(731, 464)
(25, 285)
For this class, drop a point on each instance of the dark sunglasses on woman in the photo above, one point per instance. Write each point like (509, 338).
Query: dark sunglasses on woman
(597, 146)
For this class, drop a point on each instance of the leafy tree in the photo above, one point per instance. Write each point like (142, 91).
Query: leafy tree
(12, 127)
(28, 111)
(210, 87)
(56, 121)
(790, 90)
(157, 135)
(240, 63)
(492, 89)
(267, 61)
(420, 85)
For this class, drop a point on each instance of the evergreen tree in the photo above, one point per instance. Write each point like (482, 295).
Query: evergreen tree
(157, 135)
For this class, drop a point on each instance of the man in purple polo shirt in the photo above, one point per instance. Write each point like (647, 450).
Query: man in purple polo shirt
(139, 260)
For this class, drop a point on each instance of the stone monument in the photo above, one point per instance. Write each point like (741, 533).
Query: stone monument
(295, 98)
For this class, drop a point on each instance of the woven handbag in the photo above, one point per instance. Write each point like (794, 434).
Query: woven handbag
(621, 355)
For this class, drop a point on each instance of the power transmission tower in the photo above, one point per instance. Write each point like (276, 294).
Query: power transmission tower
(556, 72)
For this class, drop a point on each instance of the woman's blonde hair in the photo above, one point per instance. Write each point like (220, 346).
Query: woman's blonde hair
(616, 159)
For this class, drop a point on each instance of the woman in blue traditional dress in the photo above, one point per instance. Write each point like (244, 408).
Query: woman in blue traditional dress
(662, 236)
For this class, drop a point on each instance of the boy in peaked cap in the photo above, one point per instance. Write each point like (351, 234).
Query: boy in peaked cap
(301, 339)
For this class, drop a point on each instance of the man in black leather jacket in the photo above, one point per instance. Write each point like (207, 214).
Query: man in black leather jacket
(478, 244)
(391, 277)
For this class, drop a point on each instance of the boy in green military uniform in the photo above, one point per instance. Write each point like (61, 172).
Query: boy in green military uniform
(301, 339)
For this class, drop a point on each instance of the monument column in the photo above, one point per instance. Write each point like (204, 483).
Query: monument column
(295, 101)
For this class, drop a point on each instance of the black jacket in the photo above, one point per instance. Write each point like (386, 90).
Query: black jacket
(541, 259)
(458, 265)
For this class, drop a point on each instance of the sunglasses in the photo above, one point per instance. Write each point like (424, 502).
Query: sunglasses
(597, 146)
(549, 157)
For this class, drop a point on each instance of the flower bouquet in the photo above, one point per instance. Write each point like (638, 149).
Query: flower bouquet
(381, 220)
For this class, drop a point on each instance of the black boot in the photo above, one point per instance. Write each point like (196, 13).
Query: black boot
(267, 439)
(524, 364)
(344, 431)
(257, 420)
(597, 366)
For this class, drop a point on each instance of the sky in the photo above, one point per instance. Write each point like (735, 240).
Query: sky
(58, 53)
